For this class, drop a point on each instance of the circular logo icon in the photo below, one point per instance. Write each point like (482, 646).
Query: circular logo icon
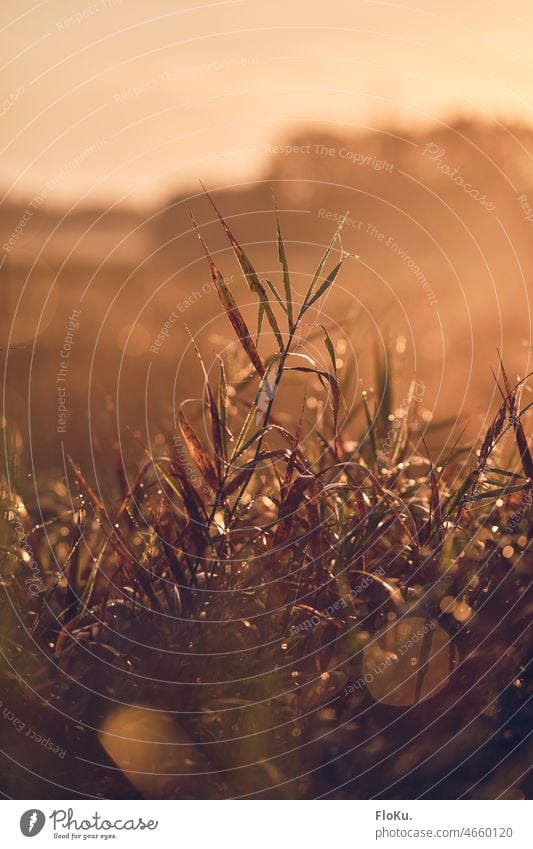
(32, 822)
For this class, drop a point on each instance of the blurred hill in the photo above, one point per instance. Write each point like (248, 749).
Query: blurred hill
(438, 219)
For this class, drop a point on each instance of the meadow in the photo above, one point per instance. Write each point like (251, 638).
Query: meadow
(301, 590)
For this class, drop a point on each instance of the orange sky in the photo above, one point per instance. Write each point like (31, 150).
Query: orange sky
(125, 99)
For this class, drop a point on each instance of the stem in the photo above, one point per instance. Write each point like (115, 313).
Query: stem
(230, 516)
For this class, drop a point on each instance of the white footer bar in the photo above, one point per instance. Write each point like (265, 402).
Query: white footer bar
(269, 824)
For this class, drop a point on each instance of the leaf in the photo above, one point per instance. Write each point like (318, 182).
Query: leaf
(458, 498)
(315, 530)
(383, 387)
(335, 396)
(286, 277)
(267, 392)
(434, 504)
(116, 539)
(331, 350)
(250, 276)
(501, 491)
(321, 264)
(290, 504)
(265, 305)
(335, 400)
(521, 441)
(491, 436)
(330, 279)
(240, 478)
(276, 295)
(244, 473)
(295, 454)
(225, 433)
(505, 473)
(261, 432)
(180, 484)
(198, 452)
(371, 424)
(260, 313)
(245, 430)
(233, 312)
(216, 424)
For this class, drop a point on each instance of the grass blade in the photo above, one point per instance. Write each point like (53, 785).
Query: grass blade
(514, 418)
(285, 266)
(232, 311)
(216, 424)
(330, 349)
(276, 295)
(332, 384)
(371, 425)
(223, 411)
(330, 279)
(251, 276)
(321, 264)
(198, 452)
(383, 387)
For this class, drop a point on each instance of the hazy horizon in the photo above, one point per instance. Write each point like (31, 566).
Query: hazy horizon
(144, 104)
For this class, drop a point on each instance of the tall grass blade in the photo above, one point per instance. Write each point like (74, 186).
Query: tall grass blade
(232, 311)
(321, 264)
(251, 277)
(286, 276)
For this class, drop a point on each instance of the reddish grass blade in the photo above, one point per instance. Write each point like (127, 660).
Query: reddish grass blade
(217, 427)
(232, 310)
(250, 275)
(289, 506)
(115, 538)
(198, 452)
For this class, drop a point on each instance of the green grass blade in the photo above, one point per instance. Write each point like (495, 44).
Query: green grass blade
(330, 349)
(330, 279)
(286, 276)
(321, 264)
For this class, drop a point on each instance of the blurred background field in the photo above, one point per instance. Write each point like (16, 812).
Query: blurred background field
(441, 278)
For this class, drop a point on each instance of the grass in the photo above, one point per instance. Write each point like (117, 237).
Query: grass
(281, 603)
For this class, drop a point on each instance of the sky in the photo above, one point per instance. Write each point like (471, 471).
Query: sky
(123, 100)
